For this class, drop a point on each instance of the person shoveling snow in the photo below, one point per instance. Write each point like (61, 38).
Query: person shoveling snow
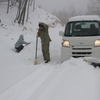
(45, 40)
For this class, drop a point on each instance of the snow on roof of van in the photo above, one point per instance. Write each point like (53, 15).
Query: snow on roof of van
(85, 17)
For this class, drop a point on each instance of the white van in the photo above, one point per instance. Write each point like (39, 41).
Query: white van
(81, 38)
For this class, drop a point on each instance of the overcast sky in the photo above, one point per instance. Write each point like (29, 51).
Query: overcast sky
(62, 4)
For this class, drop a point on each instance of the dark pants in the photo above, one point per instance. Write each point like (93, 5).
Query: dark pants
(19, 48)
(45, 51)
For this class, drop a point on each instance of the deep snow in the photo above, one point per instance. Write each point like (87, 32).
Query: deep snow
(20, 79)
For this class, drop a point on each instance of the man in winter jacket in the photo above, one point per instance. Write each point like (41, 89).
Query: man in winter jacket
(19, 44)
(45, 39)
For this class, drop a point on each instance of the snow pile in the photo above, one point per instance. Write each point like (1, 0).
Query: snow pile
(20, 79)
(85, 17)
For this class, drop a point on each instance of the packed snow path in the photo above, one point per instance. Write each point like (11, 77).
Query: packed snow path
(72, 80)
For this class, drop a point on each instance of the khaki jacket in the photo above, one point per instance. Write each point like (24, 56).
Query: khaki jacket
(43, 34)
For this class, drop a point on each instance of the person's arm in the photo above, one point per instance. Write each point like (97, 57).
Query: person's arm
(24, 42)
(38, 33)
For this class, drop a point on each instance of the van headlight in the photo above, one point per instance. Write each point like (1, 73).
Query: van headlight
(65, 43)
(97, 43)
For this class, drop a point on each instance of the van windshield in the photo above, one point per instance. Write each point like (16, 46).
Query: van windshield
(82, 28)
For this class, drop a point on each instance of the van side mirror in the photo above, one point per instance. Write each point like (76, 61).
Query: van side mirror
(61, 33)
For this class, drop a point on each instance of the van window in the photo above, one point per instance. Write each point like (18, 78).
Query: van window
(82, 28)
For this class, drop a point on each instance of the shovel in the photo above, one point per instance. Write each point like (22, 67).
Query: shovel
(36, 61)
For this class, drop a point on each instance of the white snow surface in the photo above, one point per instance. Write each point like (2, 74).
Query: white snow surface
(20, 79)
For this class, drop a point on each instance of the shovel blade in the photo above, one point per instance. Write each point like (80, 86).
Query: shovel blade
(35, 62)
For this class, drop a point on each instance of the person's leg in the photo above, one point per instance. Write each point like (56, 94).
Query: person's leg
(46, 52)
(20, 48)
(43, 51)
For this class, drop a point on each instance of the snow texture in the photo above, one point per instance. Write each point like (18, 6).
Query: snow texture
(20, 79)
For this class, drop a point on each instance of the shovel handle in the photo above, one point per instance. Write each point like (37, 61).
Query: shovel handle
(36, 47)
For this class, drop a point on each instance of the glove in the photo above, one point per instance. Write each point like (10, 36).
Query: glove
(28, 43)
(37, 34)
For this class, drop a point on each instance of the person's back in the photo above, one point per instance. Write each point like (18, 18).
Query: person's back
(19, 41)
(19, 44)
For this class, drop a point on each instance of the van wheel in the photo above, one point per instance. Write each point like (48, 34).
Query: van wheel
(95, 64)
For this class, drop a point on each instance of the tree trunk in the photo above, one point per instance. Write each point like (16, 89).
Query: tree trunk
(33, 5)
(24, 13)
(28, 10)
(22, 16)
(8, 6)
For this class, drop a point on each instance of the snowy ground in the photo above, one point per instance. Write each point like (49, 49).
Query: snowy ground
(20, 79)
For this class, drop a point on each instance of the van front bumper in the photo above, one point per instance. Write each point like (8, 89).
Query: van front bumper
(80, 51)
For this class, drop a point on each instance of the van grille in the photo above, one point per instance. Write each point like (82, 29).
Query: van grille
(81, 52)
(81, 48)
